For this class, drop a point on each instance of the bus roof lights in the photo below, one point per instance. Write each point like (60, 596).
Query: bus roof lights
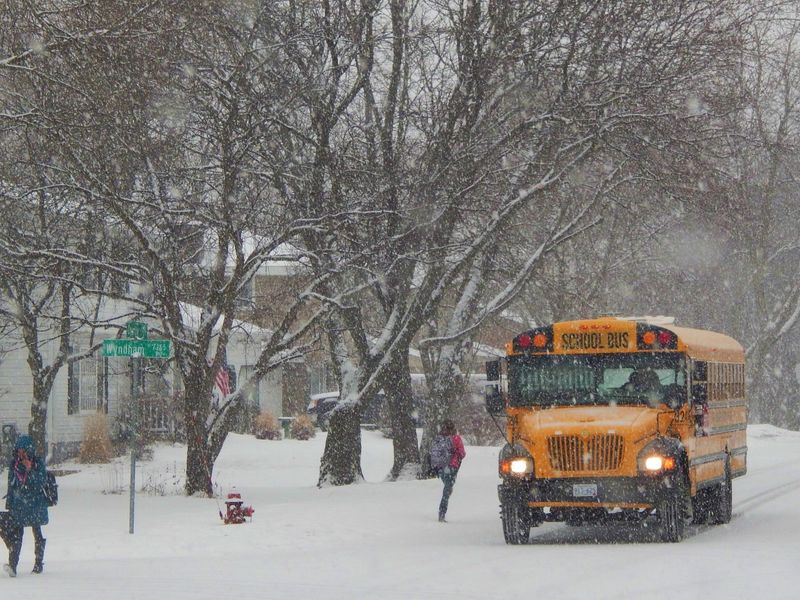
(653, 337)
(534, 341)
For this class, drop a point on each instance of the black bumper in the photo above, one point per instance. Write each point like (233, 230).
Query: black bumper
(610, 491)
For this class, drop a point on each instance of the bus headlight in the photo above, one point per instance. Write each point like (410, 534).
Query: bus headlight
(520, 466)
(656, 457)
(659, 463)
(515, 462)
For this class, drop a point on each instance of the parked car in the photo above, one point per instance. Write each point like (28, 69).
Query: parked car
(321, 405)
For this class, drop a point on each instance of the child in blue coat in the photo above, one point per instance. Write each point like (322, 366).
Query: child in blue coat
(26, 503)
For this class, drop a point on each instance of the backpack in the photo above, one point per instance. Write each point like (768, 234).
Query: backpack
(50, 489)
(441, 452)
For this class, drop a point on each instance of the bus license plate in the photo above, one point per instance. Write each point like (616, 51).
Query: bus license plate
(584, 490)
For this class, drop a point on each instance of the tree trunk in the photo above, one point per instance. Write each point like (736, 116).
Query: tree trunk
(199, 461)
(763, 403)
(401, 405)
(37, 428)
(341, 460)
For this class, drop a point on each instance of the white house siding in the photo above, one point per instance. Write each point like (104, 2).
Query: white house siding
(242, 355)
(271, 394)
(15, 391)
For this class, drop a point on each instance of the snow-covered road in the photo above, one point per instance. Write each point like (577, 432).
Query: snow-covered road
(382, 540)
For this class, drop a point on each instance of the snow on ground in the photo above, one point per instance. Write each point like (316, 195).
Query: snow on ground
(382, 540)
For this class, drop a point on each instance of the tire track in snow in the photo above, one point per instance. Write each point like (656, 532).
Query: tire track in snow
(773, 467)
(756, 500)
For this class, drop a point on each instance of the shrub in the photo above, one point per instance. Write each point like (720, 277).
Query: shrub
(302, 428)
(244, 417)
(96, 444)
(266, 427)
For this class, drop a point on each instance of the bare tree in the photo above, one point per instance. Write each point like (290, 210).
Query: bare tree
(42, 297)
(170, 160)
(505, 111)
(752, 205)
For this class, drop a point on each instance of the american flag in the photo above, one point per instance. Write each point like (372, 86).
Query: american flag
(223, 381)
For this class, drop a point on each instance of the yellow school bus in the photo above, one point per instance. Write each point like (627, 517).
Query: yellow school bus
(619, 418)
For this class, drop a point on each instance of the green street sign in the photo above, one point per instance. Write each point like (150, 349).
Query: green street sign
(136, 330)
(136, 348)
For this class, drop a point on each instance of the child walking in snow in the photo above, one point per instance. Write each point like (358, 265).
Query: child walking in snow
(449, 472)
(26, 503)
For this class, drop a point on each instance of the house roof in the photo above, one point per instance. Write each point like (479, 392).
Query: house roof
(193, 315)
(118, 312)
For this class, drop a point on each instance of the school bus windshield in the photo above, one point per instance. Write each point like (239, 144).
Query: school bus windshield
(597, 379)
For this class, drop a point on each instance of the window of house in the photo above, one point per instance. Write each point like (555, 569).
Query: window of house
(322, 379)
(244, 299)
(88, 385)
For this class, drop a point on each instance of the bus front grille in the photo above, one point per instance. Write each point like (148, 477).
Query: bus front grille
(591, 453)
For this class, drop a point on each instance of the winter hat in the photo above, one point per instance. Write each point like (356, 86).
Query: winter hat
(25, 442)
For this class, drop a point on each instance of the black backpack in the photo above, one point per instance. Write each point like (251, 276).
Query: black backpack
(50, 489)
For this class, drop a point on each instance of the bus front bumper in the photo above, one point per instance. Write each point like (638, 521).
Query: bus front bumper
(606, 492)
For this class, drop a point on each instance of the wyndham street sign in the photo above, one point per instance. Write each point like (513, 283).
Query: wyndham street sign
(136, 348)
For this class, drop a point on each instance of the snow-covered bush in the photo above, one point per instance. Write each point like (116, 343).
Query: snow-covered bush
(267, 427)
(96, 444)
(302, 428)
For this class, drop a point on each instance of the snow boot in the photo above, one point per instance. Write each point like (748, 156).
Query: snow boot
(13, 558)
(38, 566)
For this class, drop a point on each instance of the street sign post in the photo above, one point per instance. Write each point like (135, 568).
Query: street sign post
(135, 346)
(126, 347)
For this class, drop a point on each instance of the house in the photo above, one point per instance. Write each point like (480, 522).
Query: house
(100, 384)
(275, 286)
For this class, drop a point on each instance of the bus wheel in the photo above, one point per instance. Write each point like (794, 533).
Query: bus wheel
(722, 500)
(516, 519)
(701, 507)
(671, 509)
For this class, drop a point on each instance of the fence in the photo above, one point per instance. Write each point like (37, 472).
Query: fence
(159, 416)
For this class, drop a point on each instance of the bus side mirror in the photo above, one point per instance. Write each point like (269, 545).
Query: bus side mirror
(700, 405)
(494, 399)
(699, 394)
